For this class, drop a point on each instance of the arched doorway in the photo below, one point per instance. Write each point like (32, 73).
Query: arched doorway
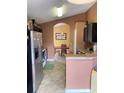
(61, 35)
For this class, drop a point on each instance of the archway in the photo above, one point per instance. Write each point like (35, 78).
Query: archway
(61, 35)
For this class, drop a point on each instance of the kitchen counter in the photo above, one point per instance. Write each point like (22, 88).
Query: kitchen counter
(81, 56)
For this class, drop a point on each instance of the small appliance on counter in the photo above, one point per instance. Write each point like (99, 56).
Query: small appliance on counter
(95, 47)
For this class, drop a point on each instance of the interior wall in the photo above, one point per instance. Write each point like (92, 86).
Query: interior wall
(61, 28)
(80, 35)
(91, 17)
(92, 14)
(48, 31)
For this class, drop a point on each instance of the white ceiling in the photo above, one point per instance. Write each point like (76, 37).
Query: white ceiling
(44, 10)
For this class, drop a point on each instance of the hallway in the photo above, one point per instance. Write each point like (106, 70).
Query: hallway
(54, 78)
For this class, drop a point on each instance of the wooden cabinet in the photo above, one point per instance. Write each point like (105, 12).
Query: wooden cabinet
(90, 33)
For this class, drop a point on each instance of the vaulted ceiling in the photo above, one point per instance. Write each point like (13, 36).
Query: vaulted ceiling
(44, 10)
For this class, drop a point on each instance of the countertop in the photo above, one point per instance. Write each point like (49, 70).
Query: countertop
(81, 55)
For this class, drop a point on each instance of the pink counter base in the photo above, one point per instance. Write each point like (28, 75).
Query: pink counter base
(78, 73)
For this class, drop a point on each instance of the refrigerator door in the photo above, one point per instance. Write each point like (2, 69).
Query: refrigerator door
(29, 65)
(37, 68)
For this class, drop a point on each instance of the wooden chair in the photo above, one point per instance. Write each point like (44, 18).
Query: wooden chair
(63, 49)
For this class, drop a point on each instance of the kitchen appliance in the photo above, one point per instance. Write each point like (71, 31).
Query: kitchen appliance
(95, 47)
(34, 63)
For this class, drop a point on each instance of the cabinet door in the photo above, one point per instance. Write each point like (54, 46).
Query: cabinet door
(85, 35)
(89, 32)
(92, 32)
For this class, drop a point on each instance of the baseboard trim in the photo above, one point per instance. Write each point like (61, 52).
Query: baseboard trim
(77, 91)
(50, 59)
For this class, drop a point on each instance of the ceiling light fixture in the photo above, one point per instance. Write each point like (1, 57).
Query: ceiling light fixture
(80, 1)
(59, 11)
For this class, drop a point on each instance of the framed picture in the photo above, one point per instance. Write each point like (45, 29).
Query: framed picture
(61, 36)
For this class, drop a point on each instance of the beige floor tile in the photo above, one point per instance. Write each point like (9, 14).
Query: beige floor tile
(54, 80)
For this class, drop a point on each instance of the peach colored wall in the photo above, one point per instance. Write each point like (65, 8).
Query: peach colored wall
(80, 33)
(92, 14)
(47, 38)
(91, 17)
(48, 31)
(61, 28)
(78, 73)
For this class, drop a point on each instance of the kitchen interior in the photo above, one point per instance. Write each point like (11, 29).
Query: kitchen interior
(62, 46)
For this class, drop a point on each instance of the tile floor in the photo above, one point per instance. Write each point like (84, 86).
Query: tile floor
(54, 79)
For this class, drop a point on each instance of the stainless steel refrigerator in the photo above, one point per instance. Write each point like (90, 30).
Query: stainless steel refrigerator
(34, 63)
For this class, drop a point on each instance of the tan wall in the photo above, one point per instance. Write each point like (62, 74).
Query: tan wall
(91, 17)
(61, 28)
(92, 14)
(48, 31)
(80, 35)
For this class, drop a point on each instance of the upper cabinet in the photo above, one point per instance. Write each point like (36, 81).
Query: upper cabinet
(32, 25)
(90, 33)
